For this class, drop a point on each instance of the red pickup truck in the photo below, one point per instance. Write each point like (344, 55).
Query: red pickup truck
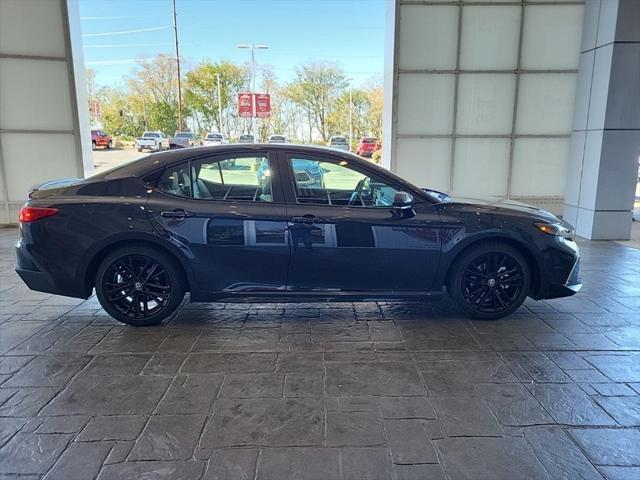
(367, 146)
(100, 139)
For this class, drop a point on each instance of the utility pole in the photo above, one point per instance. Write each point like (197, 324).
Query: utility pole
(175, 34)
(219, 103)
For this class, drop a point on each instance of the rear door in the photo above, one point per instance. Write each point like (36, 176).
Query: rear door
(227, 213)
(346, 237)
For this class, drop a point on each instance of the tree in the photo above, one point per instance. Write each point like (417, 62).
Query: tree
(116, 116)
(315, 88)
(201, 94)
(375, 96)
(154, 83)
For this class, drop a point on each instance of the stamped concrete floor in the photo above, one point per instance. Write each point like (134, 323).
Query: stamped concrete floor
(325, 391)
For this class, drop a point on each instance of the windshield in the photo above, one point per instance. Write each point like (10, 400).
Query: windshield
(214, 136)
(277, 138)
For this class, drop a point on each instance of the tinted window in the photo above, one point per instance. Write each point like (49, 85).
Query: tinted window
(176, 180)
(214, 136)
(368, 140)
(150, 135)
(245, 178)
(327, 183)
(233, 178)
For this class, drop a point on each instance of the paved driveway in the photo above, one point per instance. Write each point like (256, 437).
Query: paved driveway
(325, 391)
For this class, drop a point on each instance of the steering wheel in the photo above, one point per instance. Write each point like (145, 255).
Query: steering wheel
(356, 194)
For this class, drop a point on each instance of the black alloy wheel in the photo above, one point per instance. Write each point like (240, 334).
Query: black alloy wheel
(139, 285)
(490, 281)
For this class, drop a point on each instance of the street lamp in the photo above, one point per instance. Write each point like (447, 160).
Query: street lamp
(253, 70)
(350, 114)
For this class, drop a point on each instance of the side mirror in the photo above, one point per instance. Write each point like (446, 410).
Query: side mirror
(402, 207)
(402, 201)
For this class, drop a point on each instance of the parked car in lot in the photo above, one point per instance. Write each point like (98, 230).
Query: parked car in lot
(100, 139)
(183, 140)
(339, 142)
(277, 139)
(152, 141)
(246, 138)
(214, 138)
(366, 147)
(145, 233)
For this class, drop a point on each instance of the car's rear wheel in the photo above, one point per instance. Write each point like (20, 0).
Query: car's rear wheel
(489, 281)
(139, 285)
(93, 145)
(110, 145)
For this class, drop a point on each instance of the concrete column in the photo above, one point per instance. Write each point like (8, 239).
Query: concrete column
(44, 127)
(605, 141)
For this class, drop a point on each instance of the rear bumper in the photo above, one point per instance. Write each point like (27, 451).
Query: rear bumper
(39, 279)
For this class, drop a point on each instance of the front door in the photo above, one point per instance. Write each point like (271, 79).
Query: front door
(345, 235)
(227, 213)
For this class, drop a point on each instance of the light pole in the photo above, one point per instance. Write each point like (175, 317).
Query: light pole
(219, 103)
(253, 48)
(350, 116)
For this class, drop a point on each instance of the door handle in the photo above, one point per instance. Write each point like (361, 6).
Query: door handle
(306, 219)
(179, 214)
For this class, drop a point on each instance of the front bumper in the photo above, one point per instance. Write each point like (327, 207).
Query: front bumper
(573, 282)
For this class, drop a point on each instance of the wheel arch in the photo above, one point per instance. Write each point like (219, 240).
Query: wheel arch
(520, 246)
(90, 269)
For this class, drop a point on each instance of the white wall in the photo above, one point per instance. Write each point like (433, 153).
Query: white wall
(42, 134)
(483, 95)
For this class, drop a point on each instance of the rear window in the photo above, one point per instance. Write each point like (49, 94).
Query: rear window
(246, 137)
(214, 136)
(277, 138)
(184, 135)
(368, 140)
(339, 140)
(150, 135)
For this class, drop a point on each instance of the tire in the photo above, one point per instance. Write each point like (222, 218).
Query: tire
(489, 281)
(93, 145)
(128, 296)
(110, 145)
(139, 149)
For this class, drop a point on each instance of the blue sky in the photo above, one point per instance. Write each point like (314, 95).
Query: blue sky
(349, 32)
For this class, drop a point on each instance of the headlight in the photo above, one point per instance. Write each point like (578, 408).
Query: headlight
(555, 229)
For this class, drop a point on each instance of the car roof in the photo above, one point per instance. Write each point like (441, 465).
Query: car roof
(149, 163)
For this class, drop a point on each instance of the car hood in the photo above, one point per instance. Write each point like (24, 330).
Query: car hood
(496, 203)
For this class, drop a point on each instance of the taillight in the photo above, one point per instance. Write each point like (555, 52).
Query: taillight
(31, 214)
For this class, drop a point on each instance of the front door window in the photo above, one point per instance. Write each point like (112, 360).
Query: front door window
(319, 182)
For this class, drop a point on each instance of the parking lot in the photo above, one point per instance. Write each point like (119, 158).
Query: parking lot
(325, 391)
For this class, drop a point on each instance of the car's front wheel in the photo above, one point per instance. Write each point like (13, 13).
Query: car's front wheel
(139, 285)
(489, 281)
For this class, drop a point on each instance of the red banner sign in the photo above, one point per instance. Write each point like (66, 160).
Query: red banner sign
(245, 105)
(263, 105)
